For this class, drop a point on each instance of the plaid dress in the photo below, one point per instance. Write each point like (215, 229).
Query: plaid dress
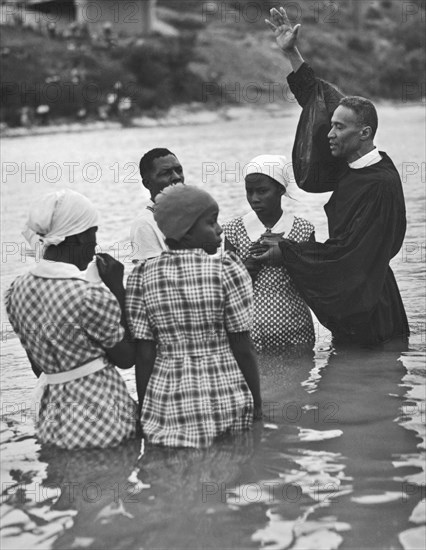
(281, 318)
(63, 324)
(186, 301)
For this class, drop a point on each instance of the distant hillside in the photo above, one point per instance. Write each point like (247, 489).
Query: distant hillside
(223, 53)
(376, 50)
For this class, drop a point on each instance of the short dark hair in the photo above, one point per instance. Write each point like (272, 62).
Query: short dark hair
(364, 109)
(146, 161)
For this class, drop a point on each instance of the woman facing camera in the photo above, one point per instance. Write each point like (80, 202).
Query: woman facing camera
(281, 318)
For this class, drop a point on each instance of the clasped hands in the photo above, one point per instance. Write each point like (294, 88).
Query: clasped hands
(265, 251)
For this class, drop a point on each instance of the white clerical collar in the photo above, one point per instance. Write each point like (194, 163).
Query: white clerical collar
(255, 227)
(57, 270)
(367, 160)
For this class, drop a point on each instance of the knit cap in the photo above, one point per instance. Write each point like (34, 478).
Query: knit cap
(178, 207)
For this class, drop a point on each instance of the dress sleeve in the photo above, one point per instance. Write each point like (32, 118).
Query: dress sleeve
(238, 294)
(136, 314)
(302, 230)
(100, 316)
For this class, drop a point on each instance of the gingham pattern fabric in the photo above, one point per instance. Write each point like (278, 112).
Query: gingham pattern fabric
(63, 324)
(281, 318)
(186, 300)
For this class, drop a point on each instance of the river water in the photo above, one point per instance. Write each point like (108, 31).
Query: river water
(338, 461)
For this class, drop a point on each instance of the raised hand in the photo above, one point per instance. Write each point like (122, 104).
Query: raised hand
(285, 33)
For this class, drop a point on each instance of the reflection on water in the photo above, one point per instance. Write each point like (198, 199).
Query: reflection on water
(338, 461)
(334, 466)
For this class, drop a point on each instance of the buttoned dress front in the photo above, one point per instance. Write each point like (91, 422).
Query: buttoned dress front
(63, 322)
(187, 301)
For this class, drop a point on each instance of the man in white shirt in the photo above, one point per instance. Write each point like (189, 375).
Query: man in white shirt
(159, 168)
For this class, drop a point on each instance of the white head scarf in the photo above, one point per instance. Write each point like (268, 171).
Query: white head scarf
(274, 166)
(58, 215)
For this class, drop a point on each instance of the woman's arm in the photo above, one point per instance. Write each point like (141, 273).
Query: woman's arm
(244, 355)
(146, 352)
(252, 267)
(111, 272)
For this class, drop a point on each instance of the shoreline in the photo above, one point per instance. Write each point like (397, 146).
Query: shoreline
(188, 115)
(184, 115)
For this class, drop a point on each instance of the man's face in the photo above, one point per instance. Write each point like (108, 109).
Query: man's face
(345, 134)
(165, 171)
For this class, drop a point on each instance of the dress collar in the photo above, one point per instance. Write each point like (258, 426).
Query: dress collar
(255, 227)
(367, 160)
(57, 270)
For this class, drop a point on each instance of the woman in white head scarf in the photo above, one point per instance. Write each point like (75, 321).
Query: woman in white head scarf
(281, 318)
(72, 329)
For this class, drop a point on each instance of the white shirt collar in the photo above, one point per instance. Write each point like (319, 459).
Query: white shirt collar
(255, 227)
(57, 270)
(367, 160)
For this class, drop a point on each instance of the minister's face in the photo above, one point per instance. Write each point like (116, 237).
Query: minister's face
(345, 134)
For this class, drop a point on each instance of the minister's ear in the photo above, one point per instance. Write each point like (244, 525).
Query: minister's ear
(366, 133)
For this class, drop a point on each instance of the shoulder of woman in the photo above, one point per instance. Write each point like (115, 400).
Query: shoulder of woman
(303, 223)
(138, 270)
(17, 288)
(98, 293)
(7, 296)
(231, 225)
(231, 261)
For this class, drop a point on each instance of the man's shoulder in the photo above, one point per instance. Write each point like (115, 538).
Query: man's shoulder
(385, 172)
(145, 218)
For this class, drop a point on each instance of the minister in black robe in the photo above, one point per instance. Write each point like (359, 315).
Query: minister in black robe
(346, 280)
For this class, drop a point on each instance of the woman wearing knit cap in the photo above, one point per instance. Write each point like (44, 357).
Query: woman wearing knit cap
(190, 311)
(281, 318)
(72, 330)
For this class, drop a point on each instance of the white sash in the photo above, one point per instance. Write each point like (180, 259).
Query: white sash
(67, 376)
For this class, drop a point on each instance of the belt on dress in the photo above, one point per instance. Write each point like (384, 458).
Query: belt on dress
(198, 348)
(68, 376)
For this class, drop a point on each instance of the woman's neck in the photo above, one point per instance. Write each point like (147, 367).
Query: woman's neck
(63, 254)
(269, 219)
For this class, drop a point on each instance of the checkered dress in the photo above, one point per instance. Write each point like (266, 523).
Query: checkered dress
(63, 324)
(186, 301)
(281, 318)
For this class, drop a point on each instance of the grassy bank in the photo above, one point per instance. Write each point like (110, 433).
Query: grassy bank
(222, 54)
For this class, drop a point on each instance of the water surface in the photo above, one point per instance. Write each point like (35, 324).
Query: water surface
(339, 459)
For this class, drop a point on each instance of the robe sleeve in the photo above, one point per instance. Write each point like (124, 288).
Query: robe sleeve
(341, 280)
(315, 169)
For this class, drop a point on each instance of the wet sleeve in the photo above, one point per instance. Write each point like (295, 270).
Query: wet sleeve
(343, 277)
(136, 313)
(315, 169)
(100, 316)
(238, 294)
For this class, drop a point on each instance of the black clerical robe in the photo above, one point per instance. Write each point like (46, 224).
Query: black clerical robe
(347, 280)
